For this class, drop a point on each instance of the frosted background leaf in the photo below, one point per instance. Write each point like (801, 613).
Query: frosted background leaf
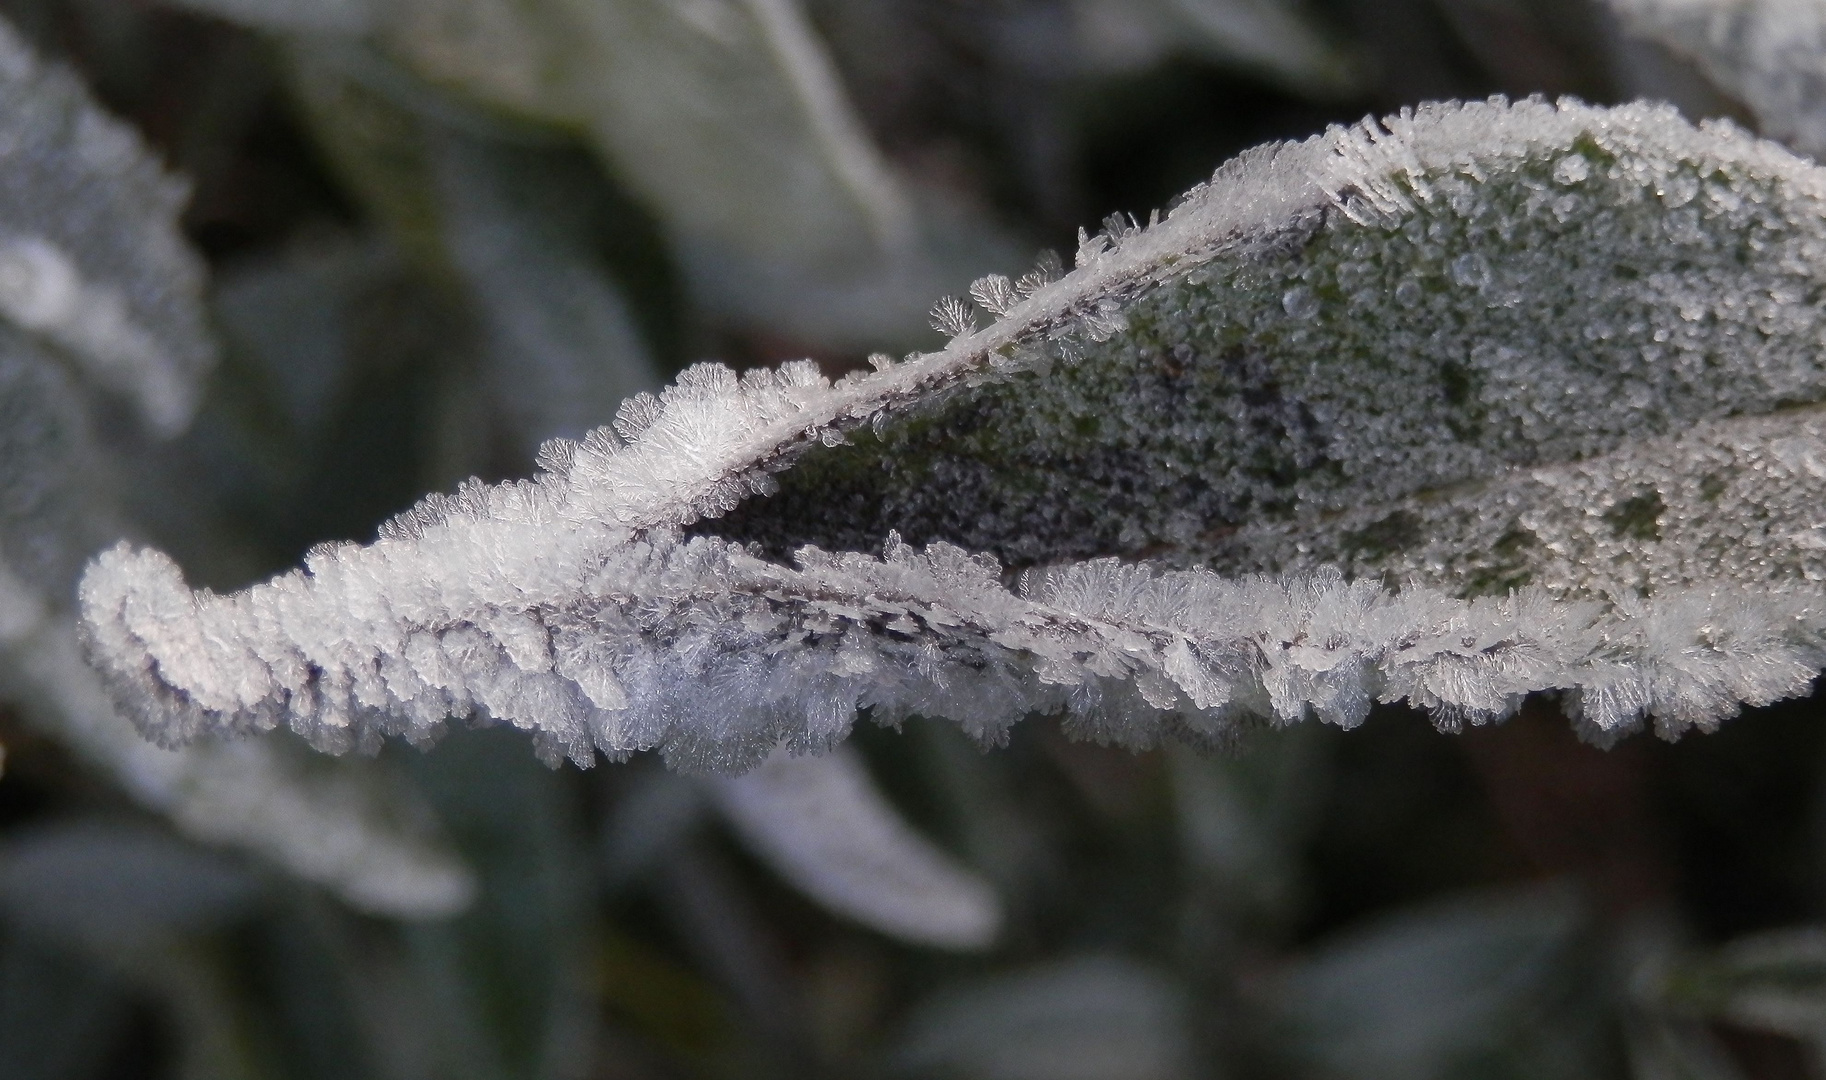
(1240, 818)
(60, 496)
(822, 824)
(1770, 54)
(1774, 981)
(291, 314)
(114, 288)
(1662, 1048)
(1183, 383)
(728, 118)
(295, 16)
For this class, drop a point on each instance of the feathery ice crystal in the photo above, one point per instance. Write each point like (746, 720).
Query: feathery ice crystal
(1515, 395)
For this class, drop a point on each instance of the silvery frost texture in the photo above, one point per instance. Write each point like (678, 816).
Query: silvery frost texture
(104, 309)
(1472, 402)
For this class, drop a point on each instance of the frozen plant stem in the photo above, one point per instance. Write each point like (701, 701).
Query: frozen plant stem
(1434, 308)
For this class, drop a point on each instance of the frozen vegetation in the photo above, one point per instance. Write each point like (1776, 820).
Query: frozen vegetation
(1468, 403)
(1502, 413)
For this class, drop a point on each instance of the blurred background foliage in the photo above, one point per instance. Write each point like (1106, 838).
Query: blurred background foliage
(439, 231)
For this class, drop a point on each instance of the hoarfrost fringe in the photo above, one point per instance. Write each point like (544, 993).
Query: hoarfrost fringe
(699, 650)
(571, 605)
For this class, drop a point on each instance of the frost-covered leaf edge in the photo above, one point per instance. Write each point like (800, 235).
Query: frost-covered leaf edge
(603, 503)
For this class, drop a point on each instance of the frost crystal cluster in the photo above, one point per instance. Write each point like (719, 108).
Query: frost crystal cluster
(1477, 401)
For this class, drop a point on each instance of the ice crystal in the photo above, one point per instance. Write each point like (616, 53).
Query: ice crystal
(953, 318)
(1504, 391)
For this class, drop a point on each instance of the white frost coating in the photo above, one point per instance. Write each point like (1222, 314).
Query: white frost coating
(713, 656)
(115, 287)
(336, 827)
(1770, 54)
(570, 606)
(821, 822)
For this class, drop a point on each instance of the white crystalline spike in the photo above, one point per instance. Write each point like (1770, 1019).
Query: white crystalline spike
(722, 656)
(995, 294)
(823, 825)
(636, 415)
(952, 317)
(1048, 270)
(1275, 647)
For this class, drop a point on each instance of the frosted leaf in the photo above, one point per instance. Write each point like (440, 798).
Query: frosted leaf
(824, 826)
(114, 288)
(729, 118)
(1464, 313)
(1769, 54)
(1085, 1018)
(349, 828)
(1594, 363)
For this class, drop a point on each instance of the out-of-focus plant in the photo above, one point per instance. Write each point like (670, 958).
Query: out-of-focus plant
(1517, 400)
